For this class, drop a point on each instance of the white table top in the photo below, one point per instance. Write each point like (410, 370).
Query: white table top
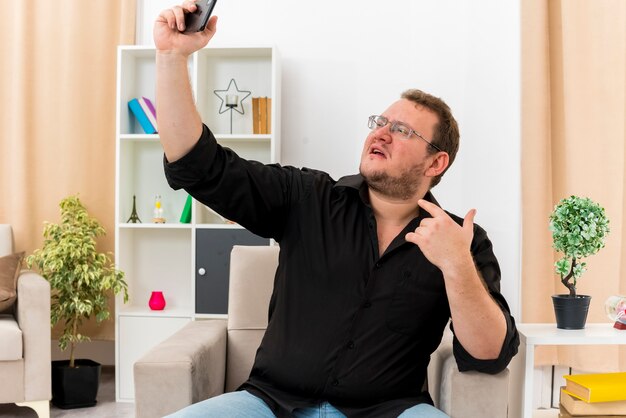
(549, 334)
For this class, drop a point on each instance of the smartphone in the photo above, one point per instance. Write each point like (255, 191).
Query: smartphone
(197, 21)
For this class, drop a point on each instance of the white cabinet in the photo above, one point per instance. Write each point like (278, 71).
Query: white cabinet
(188, 262)
(139, 334)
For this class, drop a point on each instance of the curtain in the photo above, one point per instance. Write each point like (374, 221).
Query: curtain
(573, 143)
(57, 115)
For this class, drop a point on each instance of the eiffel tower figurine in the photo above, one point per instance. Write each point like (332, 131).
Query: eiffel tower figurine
(134, 218)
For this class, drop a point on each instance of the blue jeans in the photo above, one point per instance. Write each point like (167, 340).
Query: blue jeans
(243, 404)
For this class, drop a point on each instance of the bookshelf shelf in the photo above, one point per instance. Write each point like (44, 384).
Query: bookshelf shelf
(144, 311)
(187, 262)
(211, 316)
(219, 226)
(154, 226)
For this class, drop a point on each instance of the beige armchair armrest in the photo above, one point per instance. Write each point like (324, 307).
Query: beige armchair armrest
(466, 394)
(186, 368)
(33, 318)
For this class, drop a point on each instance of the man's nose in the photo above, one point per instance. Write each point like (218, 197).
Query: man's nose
(383, 133)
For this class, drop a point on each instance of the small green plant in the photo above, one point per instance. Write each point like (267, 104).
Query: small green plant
(579, 228)
(79, 276)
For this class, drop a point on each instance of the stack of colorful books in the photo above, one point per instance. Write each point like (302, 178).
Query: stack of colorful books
(145, 113)
(599, 395)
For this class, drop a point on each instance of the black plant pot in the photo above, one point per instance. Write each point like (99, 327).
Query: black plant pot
(75, 387)
(571, 312)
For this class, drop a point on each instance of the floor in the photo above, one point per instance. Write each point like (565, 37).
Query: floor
(105, 408)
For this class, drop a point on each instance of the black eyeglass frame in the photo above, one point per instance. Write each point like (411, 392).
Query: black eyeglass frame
(373, 124)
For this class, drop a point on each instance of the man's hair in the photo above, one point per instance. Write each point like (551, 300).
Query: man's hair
(446, 135)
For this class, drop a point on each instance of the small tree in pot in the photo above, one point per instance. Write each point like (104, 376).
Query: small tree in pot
(80, 279)
(579, 229)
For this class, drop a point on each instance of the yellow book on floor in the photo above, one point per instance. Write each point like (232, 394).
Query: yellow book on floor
(576, 407)
(564, 414)
(597, 387)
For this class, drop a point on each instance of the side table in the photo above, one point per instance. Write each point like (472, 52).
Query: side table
(532, 335)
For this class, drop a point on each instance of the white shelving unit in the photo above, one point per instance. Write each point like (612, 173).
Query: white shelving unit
(172, 257)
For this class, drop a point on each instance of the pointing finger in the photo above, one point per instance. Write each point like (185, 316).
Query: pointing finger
(431, 208)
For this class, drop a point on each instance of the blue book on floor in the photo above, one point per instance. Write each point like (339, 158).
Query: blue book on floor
(135, 107)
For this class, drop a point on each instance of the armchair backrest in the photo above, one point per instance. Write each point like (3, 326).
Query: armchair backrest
(252, 271)
(6, 240)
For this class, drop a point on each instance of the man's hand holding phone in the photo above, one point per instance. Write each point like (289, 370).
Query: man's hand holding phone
(170, 28)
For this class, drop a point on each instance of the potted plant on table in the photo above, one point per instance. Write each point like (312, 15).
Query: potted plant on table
(579, 228)
(81, 279)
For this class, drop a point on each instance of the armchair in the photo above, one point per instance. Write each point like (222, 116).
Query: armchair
(25, 340)
(224, 357)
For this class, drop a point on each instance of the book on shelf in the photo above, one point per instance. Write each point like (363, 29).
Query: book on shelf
(185, 216)
(261, 115)
(597, 387)
(576, 407)
(269, 116)
(150, 111)
(256, 119)
(564, 414)
(141, 117)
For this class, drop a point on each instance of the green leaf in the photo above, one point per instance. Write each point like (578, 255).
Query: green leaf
(562, 266)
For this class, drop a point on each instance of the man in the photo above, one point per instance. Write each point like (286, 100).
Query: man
(370, 269)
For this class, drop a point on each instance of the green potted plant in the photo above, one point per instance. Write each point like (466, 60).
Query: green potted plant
(81, 279)
(579, 228)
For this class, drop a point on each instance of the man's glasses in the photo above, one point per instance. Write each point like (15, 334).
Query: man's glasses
(377, 121)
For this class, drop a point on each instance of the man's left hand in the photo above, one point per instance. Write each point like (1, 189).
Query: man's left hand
(445, 243)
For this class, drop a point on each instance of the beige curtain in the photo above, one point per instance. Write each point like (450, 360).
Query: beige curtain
(57, 114)
(573, 142)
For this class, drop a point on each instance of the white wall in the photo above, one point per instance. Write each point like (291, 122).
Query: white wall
(345, 60)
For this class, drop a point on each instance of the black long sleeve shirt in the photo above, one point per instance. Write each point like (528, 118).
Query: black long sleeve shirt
(346, 325)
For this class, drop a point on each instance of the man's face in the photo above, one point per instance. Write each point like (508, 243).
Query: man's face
(392, 165)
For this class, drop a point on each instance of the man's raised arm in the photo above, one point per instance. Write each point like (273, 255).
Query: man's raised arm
(180, 125)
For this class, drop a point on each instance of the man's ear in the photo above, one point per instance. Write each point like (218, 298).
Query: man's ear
(439, 163)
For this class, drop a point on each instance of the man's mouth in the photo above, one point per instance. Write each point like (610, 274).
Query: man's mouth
(377, 152)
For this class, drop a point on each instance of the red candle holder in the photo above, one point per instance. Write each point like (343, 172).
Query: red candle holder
(157, 301)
